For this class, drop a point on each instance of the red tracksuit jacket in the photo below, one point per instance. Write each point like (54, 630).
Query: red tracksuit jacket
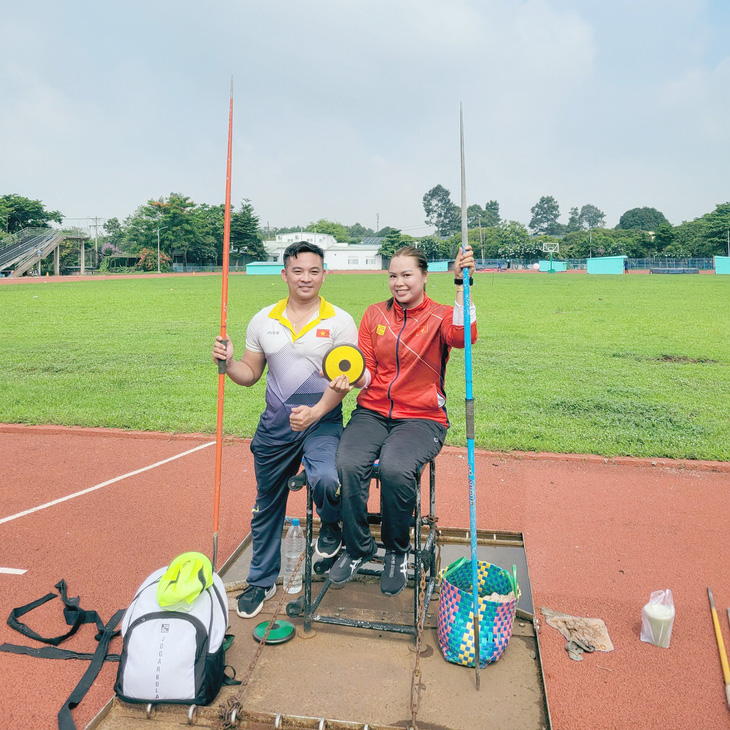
(406, 352)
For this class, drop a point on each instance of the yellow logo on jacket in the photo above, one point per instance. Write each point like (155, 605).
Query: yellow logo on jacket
(380, 329)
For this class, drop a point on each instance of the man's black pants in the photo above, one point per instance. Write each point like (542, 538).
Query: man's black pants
(402, 447)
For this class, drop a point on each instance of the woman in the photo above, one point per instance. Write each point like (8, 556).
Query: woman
(400, 419)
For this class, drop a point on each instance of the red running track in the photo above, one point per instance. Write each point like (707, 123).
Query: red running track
(600, 535)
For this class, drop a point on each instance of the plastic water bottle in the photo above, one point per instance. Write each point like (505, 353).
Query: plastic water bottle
(293, 548)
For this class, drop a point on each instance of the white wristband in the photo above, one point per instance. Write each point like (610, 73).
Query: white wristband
(458, 318)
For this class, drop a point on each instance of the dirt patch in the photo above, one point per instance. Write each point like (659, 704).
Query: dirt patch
(682, 359)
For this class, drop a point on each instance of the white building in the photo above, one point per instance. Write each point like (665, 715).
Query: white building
(337, 256)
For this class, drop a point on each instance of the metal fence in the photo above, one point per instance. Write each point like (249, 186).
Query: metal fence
(518, 264)
(178, 268)
(703, 264)
(662, 262)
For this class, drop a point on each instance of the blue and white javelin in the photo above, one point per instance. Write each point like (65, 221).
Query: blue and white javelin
(469, 401)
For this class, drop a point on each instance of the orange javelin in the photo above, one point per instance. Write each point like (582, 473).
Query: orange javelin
(224, 323)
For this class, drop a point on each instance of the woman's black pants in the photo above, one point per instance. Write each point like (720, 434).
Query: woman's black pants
(402, 447)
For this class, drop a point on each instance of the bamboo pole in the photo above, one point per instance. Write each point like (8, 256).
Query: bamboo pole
(720, 646)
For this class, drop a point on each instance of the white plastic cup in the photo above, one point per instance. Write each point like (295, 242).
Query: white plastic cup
(659, 619)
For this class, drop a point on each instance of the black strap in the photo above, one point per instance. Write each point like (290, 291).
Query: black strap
(52, 652)
(65, 719)
(230, 681)
(75, 616)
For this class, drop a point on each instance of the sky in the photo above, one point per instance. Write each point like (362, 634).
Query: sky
(348, 110)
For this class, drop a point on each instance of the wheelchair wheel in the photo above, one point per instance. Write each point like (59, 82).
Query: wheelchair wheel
(321, 567)
(295, 608)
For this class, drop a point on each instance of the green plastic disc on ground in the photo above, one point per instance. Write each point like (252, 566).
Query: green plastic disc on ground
(280, 632)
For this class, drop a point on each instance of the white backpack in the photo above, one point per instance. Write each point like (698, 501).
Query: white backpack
(173, 656)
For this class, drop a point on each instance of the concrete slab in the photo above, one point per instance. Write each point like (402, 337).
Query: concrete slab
(353, 678)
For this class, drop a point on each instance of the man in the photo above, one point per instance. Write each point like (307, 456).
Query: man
(302, 421)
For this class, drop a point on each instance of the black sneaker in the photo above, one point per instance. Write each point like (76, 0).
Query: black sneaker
(346, 566)
(394, 577)
(329, 541)
(251, 601)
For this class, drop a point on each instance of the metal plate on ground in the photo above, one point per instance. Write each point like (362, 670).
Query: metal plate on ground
(351, 677)
(359, 676)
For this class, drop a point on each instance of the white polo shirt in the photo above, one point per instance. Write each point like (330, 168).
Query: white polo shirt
(294, 361)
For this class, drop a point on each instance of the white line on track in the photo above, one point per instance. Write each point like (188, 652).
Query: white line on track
(12, 571)
(103, 484)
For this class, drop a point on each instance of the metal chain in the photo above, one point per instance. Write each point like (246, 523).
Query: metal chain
(416, 684)
(438, 554)
(225, 710)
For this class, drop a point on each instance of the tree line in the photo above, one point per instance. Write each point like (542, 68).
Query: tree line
(640, 233)
(194, 232)
(191, 232)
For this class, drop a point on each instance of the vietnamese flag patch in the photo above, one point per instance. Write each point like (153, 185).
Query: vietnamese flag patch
(323, 333)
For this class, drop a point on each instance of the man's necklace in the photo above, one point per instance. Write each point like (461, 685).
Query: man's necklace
(306, 314)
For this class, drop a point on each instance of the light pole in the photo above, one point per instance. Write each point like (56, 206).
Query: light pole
(158, 246)
(481, 239)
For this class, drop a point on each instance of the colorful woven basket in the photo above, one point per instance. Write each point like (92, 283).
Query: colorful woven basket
(456, 620)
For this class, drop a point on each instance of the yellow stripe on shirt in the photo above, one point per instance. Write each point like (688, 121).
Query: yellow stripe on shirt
(326, 310)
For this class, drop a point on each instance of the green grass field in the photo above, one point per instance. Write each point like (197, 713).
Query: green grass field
(624, 365)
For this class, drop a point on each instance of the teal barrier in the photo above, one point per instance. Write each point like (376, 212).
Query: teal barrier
(556, 265)
(259, 268)
(722, 264)
(606, 265)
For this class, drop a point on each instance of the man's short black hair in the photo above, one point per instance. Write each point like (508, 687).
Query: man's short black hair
(294, 249)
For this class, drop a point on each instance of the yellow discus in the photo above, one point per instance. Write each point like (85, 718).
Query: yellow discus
(343, 360)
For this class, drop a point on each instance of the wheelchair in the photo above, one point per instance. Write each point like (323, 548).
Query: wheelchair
(422, 561)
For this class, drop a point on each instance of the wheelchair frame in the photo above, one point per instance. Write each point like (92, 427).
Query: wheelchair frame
(423, 555)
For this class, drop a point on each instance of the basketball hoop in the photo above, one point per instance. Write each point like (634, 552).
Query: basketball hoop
(551, 247)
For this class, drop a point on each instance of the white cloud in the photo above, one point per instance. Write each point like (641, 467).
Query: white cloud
(349, 109)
